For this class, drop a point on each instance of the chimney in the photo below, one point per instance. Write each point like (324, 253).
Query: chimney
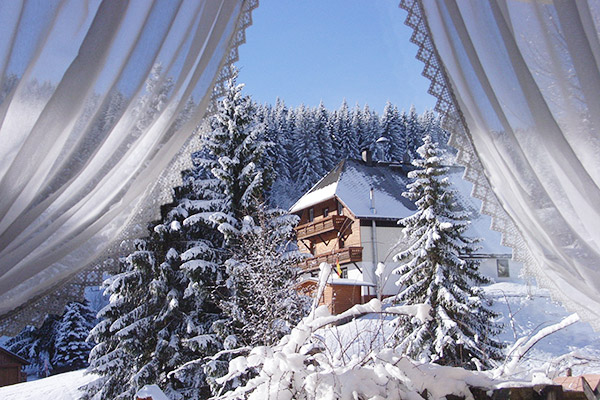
(372, 199)
(367, 156)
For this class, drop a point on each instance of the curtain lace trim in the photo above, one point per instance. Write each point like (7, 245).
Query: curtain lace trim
(453, 121)
(72, 288)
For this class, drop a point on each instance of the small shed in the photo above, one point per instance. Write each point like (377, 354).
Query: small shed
(11, 366)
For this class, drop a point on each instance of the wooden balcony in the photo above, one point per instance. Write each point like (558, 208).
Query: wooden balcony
(333, 223)
(345, 256)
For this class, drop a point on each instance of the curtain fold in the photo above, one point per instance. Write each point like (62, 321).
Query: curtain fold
(99, 101)
(518, 82)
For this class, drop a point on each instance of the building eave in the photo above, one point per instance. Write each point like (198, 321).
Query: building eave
(19, 359)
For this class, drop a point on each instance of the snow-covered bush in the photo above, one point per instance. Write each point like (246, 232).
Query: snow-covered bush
(264, 304)
(301, 367)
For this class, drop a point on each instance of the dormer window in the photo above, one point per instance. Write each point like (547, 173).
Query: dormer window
(311, 214)
(325, 212)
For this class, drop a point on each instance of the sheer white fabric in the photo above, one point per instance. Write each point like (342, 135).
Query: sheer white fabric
(526, 77)
(96, 100)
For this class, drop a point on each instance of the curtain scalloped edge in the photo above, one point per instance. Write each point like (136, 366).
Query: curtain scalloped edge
(71, 288)
(453, 121)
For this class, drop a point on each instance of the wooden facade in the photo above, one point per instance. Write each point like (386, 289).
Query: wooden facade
(338, 296)
(11, 366)
(329, 233)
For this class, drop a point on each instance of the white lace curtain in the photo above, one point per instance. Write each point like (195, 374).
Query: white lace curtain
(96, 100)
(525, 75)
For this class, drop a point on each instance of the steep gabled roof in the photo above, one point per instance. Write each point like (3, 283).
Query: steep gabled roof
(351, 182)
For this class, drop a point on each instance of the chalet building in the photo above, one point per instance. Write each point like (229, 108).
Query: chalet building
(11, 368)
(350, 217)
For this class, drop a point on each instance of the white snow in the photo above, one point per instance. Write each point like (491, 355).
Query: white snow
(152, 391)
(315, 197)
(354, 190)
(531, 308)
(58, 387)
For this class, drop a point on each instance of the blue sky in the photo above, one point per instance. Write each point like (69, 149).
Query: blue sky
(312, 50)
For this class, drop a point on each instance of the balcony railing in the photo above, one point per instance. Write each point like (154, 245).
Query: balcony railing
(346, 255)
(328, 224)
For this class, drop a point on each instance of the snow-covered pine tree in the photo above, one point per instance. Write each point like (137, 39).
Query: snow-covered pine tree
(193, 259)
(125, 333)
(36, 345)
(280, 195)
(71, 350)
(307, 161)
(233, 155)
(371, 129)
(392, 129)
(324, 138)
(235, 145)
(346, 142)
(264, 305)
(158, 318)
(462, 328)
(432, 123)
(414, 132)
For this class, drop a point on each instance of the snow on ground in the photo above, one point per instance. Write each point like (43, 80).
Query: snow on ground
(531, 309)
(58, 387)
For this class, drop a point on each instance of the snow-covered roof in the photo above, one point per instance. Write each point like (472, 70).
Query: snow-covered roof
(351, 182)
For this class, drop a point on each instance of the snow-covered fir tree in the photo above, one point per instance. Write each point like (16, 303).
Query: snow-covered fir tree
(433, 271)
(125, 329)
(346, 143)
(264, 304)
(234, 156)
(392, 129)
(71, 349)
(307, 153)
(58, 345)
(235, 149)
(415, 131)
(36, 345)
(325, 138)
(161, 313)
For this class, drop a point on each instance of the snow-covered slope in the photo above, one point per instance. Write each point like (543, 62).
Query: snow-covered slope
(58, 387)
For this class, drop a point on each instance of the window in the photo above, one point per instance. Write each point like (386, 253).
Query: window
(345, 273)
(340, 208)
(311, 214)
(502, 268)
(325, 212)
